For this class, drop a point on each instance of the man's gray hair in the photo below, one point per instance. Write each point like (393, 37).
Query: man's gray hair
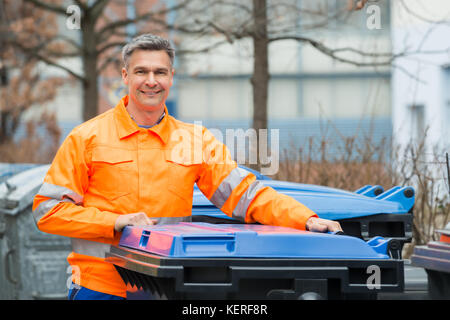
(147, 42)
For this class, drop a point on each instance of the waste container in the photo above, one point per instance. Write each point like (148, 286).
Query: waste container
(368, 212)
(33, 264)
(8, 170)
(229, 261)
(435, 259)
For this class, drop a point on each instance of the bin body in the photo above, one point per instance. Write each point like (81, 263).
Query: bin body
(251, 262)
(435, 259)
(33, 264)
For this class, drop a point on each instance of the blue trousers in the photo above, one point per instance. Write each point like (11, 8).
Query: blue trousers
(82, 293)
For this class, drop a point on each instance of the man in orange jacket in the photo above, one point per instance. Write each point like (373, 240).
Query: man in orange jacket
(136, 165)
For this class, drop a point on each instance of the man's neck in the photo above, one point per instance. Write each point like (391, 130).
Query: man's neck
(144, 118)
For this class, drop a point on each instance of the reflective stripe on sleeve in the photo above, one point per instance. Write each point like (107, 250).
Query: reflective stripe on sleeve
(45, 207)
(90, 248)
(56, 194)
(241, 208)
(227, 186)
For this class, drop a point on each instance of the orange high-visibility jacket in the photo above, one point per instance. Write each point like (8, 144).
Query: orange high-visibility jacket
(109, 166)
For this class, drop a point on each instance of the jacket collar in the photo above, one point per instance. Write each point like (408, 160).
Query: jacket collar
(127, 127)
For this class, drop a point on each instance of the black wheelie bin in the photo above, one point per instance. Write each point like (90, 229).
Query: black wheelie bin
(249, 261)
(435, 259)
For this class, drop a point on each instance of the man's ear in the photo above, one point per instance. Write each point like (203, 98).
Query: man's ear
(125, 76)
(173, 73)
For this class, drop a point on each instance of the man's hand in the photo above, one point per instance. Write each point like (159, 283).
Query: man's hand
(132, 219)
(322, 225)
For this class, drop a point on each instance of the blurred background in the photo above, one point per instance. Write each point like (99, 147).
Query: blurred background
(358, 96)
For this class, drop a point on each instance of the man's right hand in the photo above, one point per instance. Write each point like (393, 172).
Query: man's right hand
(132, 219)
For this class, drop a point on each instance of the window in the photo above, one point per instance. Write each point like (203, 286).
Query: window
(417, 121)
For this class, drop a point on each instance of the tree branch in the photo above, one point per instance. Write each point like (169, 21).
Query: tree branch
(35, 54)
(97, 8)
(125, 22)
(48, 6)
(52, 63)
(204, 50)
(111, 59)
(83, 6)
(332, 52)
(110, 45)
(407, 9)
(68, 40)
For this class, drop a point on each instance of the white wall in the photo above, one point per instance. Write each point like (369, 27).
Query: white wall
(421, 79)
(421, 83)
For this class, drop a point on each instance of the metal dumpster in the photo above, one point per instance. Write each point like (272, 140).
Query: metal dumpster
(435, 259)
(32, 263)
(368, 212)
(229, 261)
(7, 170)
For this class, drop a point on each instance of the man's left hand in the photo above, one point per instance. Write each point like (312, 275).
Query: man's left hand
(322, 225)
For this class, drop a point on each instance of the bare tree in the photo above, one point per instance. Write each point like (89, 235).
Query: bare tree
(22, 86)
(101, 37)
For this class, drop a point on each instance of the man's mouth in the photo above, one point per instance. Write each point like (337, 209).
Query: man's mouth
(150, 93)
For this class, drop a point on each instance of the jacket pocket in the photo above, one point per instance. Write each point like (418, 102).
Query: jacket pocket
(181, 174)
(113, 172)
(111, 156)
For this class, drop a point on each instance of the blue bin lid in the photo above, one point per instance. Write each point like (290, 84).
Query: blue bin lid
(203, 240)
(329, 203)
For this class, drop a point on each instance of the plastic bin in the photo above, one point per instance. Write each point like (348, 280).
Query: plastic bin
(435, 259)
(207, 261)
(33, 264)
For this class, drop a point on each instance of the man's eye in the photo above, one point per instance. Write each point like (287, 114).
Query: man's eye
(140, 72)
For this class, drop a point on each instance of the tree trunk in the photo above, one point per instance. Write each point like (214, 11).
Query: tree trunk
(89, 59)
(3, 127)
(8, 125)
(260, 78)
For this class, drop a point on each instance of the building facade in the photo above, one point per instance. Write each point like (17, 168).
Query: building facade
(311, 95)
(421, 78)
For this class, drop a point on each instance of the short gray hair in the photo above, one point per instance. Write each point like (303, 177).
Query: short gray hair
(147, 42)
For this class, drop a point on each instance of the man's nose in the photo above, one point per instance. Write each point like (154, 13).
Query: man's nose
(151, 81)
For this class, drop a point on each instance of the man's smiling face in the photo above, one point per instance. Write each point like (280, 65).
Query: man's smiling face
(149, 78)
